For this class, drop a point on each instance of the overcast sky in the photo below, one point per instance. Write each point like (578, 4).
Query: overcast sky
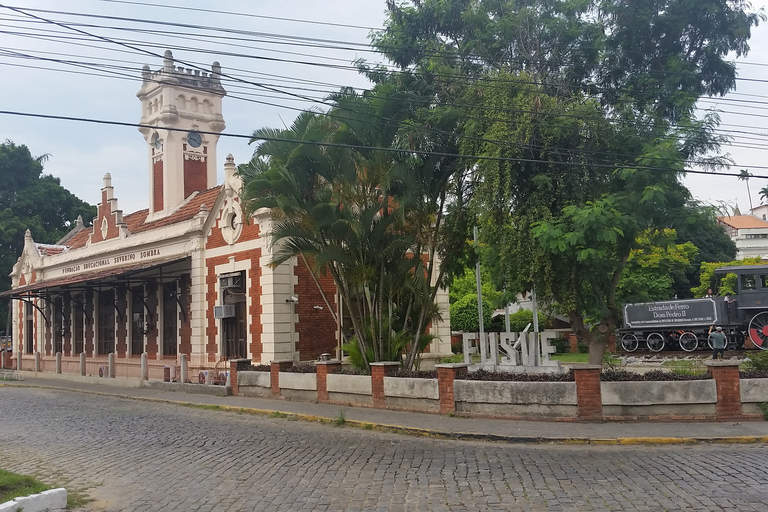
(254, 41)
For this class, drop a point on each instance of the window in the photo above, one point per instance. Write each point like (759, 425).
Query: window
(106, 322)
(170, 330)
(137, 320)
(29, 345)
(78, 332)
(58, 324)
(747, 281)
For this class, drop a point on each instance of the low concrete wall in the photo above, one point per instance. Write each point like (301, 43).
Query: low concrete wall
(516, 399)
(53, 500)
(301, 387)
(254, 383)
(349, 389)
(753, 393)
(659, 398)
(403, 393)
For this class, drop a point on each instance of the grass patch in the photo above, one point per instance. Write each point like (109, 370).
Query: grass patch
(577, 357)
(341, 419)
(686, 366)
(76, 499)
(278, 414)
(13, 485)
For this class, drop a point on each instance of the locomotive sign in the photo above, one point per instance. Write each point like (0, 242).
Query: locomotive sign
(686, 324)
(671, 313)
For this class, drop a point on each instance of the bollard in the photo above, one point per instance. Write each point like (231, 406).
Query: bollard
(111, 365)
(82, 363)
(144, 369)
(37, 361)
(184, 369)
(58, 362)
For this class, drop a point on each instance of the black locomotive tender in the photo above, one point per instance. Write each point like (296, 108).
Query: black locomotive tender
(685, 324)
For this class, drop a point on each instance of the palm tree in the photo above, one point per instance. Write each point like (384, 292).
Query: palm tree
(764, 194)
(358, 213)
(744, 175)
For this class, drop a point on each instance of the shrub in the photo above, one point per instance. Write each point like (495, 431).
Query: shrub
(488, 375)
(302, 368)
(653, 375)
(757, 361)
(248, 367)
(519, 320)
(351, 370)
(457, 347)
(415, 374)
(583, 348)
(464, 314)
(562, 345)
(456, 358)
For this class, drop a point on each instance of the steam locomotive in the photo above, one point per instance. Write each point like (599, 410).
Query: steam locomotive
(686, 324)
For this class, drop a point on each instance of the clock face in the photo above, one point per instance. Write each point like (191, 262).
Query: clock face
(156, 142)
(194, 139)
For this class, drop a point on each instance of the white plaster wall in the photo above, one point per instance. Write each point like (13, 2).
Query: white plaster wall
(659, 392)
(304, 381)
(506, 392)
(411, 388)
(754, 390)
(52, 500)
(263, 379)
(351, 384)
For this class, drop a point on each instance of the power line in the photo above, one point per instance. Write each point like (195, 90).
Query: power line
(393, 150)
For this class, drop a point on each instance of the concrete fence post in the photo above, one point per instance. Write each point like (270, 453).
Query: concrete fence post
(111, 363)
(323, 369)
(82, 363)
(18, 360)
(58, 362)
(589, 397)
(378, 372)
(184, 369)
(144, 368)
(2, 359)
(726, 375)
(37, 361)
(275, 367)
(446, 374)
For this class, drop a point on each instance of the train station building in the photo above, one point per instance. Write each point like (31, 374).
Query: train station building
(187, 275)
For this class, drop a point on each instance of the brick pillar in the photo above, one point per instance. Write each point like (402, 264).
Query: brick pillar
(589, 398)
(378, 372)
(573, 344)
(323, 369)
(446, 374)
(234, 389)
(274, 373)
(726, 375)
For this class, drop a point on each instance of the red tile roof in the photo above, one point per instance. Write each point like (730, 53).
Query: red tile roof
(136, 221)
(743, 222)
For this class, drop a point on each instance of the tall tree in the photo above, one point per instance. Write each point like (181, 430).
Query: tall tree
(371, 217)
(587, 110)
(744, 176)
(31, 200)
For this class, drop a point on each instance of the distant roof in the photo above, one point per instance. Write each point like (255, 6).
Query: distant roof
(743, 222)
(742, 269)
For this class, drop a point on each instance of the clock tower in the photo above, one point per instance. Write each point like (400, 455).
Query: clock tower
(181, 122)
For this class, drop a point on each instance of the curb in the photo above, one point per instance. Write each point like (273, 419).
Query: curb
(422, 432)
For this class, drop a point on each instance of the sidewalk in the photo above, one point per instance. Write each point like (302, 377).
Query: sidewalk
(435, 425)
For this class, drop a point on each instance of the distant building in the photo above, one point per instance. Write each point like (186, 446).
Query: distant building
(748, 232)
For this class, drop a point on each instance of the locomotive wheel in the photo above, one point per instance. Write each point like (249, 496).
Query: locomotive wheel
(709, 342)
(629, 342)
(758, 330)
(688, 341)
(655, 342)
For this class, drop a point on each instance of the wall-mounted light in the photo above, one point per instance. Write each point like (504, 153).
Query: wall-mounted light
(294, 299)
(317, 307)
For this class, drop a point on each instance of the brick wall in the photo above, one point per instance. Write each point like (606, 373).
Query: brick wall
(588, 393)
(157, 186)
(195, 176)
(316, 327)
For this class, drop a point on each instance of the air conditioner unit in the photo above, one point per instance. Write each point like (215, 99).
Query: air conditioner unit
(230, 281)
(224, 311)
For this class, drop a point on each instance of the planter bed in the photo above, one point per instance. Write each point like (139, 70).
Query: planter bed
(516, 399)
(659, 398)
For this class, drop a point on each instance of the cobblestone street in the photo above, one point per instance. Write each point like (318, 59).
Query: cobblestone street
(137, 456)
